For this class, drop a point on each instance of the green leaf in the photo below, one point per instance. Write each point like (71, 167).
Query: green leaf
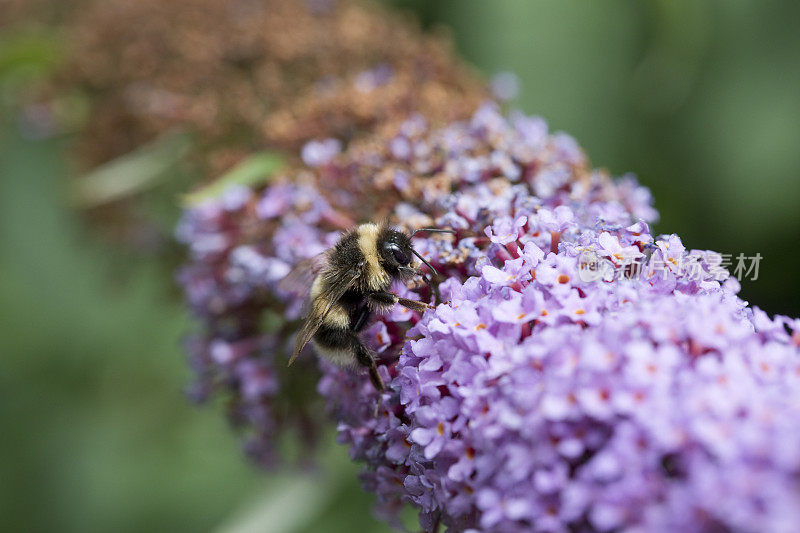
(255, 170)
(132, 173)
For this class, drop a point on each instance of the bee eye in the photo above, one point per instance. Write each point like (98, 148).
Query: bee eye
(399, 255)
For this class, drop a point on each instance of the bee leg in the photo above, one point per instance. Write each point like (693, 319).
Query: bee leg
(361, 318)
(414, 305)
(434, 287)
(384, 300)
(381, 300)
(437, 298)
(375, 378)
(366, 358)
(377, 407)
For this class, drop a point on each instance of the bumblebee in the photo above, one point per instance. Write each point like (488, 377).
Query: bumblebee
(351, 281)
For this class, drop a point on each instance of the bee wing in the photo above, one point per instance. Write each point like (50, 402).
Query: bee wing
(299, 280)
(336, 286)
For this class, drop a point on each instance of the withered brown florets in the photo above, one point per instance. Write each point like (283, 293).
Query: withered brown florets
(249, 74)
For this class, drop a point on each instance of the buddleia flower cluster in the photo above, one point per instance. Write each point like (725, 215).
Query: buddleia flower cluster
(187, 89)
(571, 377)
(248, 74)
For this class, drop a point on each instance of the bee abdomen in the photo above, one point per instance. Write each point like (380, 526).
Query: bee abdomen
(335, 344)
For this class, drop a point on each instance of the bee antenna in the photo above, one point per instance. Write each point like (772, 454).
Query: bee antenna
(424, 261)
(433, 230)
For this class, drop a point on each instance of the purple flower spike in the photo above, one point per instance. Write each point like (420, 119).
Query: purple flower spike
(579, 374)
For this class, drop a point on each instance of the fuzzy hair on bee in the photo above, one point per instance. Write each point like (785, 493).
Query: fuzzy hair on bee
(351, 281)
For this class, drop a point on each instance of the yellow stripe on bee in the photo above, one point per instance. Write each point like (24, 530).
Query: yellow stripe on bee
(337, 316)
(338, 356)
(377, 278)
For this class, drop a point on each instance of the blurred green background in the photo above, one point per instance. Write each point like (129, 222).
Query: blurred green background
(698, 98)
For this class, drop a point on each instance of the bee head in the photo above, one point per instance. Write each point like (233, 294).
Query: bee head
(396, 253)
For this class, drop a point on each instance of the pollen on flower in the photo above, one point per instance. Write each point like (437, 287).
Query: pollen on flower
(571, 398)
